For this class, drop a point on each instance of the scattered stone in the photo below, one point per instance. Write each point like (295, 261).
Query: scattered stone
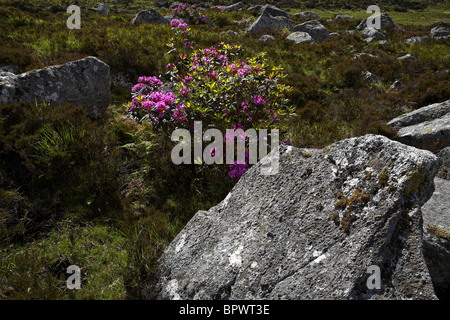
(121, 80)
(343, 16)
(315, 29)
(300, 37)
(255, 8)
(374, 34)
(230, 32)
(396, 86)
(416, 39)
(234, 7)
(440, 32)
(274, 11)
(386, 23)
(363, 54)
(444, 171)
(149, 16)
(383, 42)
(266, 37)
(425, 128)
(334, 34)
(84, 82)
(267, 22)
(307, 15)
(102, 8)
(407, 57)
(311, 230)
(370, 77)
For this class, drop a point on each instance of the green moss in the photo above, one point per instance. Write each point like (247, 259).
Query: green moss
(415, 178)
(439, 232)
(368, 175)
(383, 179)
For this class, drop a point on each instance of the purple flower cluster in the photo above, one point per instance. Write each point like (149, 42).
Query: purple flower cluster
(189, 12)
(237, 170)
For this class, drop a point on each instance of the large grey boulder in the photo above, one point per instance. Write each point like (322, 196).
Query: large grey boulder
(300, 37)
(426, 128)
(257, 7)
(274, 11)
(312, 230)
(436, 247)
(315, 29)
(307, 15)
(149, 16)
(84, 82)
(267, 22)
(385, 23)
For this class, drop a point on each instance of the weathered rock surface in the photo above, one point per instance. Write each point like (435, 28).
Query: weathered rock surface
(372, 33)
(343, 16)
(274, 11)
(436, 224)
(407, 57)
(267, 22)
(397, 86)
(255, 8)
(370, 77)
(102, 8)
(149, 16)
(311, 230)
(440, 32)
(234, 7)
(84, 82)
(444, 171)
(425, 128)
(300, 37)
(307, 15)
(386, 22)
(315, 29)
(266, 37)
(416, 39)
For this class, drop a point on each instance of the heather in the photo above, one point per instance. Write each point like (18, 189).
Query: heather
(105, 192)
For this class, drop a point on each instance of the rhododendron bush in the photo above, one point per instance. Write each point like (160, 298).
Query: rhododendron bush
(215, 85)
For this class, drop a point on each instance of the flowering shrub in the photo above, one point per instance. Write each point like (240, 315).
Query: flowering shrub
(214, 85)
(189, 13)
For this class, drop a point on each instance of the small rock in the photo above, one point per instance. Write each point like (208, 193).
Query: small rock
(374, 34)
(383, 42)
(307, 15)
(396, 86)
(315, 29)
(300, 37)
(370, 77)
(255, 8)
(343, 16)
(266, 37)
(149, 16)
(407, 57)
(440, 32)
(415, 39)
(102, 9)
(234, 7)
(363, 54)
(230, 32)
